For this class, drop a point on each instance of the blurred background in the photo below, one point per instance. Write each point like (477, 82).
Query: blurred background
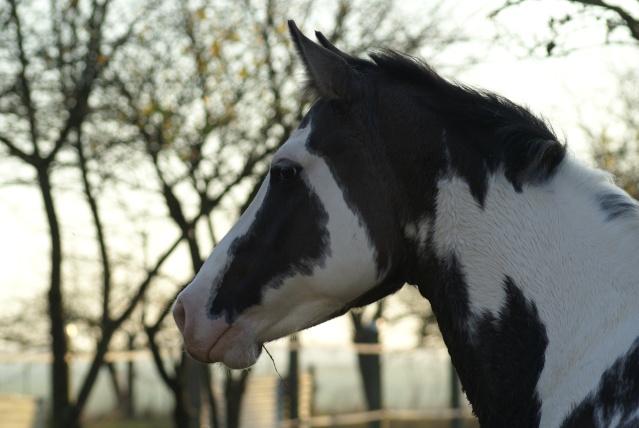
(134, 132)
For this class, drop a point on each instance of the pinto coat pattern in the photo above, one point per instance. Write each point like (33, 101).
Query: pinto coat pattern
(398, 176)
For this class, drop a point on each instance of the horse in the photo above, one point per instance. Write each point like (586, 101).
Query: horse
(398, 176)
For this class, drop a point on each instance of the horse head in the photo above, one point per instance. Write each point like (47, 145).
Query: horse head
(318, 239)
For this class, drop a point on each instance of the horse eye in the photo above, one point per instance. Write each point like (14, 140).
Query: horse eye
(284, 170)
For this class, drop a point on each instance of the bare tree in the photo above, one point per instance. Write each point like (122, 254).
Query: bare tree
(211, 106)
(615, 148)
(198, 121)
(180, 100)
(55, 55)
(617, 24)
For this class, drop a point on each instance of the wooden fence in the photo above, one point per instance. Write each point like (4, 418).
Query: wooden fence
(21, 412)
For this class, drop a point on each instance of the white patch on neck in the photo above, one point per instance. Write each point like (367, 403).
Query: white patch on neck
(418, 233)
(553, 240)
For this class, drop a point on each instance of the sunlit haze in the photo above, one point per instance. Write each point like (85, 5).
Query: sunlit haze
(570, 91)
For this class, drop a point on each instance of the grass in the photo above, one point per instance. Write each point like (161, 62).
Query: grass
(134, 423)
(168, 423)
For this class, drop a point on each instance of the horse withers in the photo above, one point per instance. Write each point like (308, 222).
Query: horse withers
(398, 176)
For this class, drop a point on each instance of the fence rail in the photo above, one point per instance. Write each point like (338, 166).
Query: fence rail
(329, 386)
(384, 416)
(145, 354)
(21, 412)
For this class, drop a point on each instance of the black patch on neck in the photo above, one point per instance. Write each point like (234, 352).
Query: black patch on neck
(500, 364)
(618, 205)
(484, 131)
(616, 399)
(287, 237)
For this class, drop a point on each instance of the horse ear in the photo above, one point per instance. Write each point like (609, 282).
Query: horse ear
(328, 45)
(327, 69)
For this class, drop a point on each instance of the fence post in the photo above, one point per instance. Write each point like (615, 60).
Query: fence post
(130, 380)
(293, 378)
(455, 399)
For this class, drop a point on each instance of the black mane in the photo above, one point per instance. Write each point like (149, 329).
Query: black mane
(507, 134)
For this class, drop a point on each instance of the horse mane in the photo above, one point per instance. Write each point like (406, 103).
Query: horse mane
(524, 145)
(506, 135)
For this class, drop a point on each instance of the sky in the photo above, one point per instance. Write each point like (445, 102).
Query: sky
(569, 91)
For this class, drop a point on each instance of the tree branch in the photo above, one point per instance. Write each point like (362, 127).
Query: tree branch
(171, 382)
(24, 87)
(631, 22)
(83, 88)
(14, 150)
(146, 282)
(99, 230)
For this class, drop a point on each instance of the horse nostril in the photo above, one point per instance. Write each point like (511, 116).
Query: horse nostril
(179, 315)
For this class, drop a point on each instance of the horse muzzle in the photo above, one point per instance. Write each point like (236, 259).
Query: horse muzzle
(214, 340)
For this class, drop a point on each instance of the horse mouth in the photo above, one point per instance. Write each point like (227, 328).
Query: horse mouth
(235, 348)
(236, 358)
(210, 341)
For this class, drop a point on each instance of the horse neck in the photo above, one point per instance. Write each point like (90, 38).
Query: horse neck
(515, 283)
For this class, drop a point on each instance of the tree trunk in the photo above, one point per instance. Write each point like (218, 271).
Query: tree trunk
(293, 378)
(120, 395)
(198, 378)
(370, 370)
(455, 398)
(214, 421)
(129, 409)
(370, 366)
(181, 411)
(180, 414)
(61, 413)
(234, 391)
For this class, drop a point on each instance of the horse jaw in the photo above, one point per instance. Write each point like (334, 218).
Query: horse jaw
(238, 344)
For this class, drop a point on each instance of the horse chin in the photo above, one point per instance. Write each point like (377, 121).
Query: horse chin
(241, 356)
(216, 341)
(236, 348)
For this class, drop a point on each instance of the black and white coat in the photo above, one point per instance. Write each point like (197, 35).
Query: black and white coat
(528, 258)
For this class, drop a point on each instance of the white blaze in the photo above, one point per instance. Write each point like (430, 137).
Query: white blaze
(348, 271)
(219, 260)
